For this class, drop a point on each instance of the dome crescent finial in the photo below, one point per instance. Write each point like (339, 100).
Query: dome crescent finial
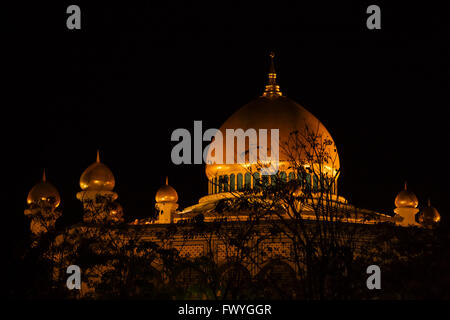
(272, 88)
(167, 180)
(272, 64)
(406, 185)
(43, 176)
(98, 155)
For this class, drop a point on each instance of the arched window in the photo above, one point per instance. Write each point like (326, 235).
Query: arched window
(308, 182)
(190, 277)
(283, 176)
(239, 181)
(291, 176)
(324, 185)
(235, 281)
(301, 176)
(232, 182)
(273, 179)
(315, 183)
(225, 183)
(220, 183)
(248, 181)
(216, 187)
(148, 278)
(279, 280)
(265, 180)
(256, 181)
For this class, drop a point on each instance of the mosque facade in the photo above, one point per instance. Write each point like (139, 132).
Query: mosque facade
(272, 110)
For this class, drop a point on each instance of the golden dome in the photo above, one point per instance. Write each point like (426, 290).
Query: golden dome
(406, 199)
(429, 216)
(272, 110)
(166, 193)
(97, 177)
(44, 191)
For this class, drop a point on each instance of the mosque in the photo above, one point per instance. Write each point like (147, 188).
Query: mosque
(271, 110)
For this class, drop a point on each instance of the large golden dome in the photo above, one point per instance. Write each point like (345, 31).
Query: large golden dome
(44, 191)
(166, 193)
(406, 199)
(97, 177)
(272, 111)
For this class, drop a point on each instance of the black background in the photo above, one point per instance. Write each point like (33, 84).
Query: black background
(137, 71)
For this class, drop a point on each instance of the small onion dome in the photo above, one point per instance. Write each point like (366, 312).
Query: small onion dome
(406, 199)
(97, 177)
(44, 191)
(166, 193)
(429, 216)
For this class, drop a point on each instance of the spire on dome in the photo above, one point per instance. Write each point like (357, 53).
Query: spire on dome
(166, 193)
(98, 155)
(429, 216)
(272, 88)
(44, 191)
(406, 198)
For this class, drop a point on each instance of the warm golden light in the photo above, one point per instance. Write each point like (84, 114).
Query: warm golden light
(406, 199)
(97, 177)
(43, 191)
(270, 111)
(166, 193)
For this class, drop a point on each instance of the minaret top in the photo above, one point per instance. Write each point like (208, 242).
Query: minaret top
(272, 90)
(406, 198)
(43, 191)
(97, 177)
(166, 193)
(429, 216)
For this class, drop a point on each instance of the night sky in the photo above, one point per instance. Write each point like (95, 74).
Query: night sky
(136, 72)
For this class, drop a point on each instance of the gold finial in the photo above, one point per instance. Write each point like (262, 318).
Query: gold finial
(429, 202)
(405, 185)
(272, 89)
(272, 65)
(98, 155)
(43, 176)
(167, 180)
